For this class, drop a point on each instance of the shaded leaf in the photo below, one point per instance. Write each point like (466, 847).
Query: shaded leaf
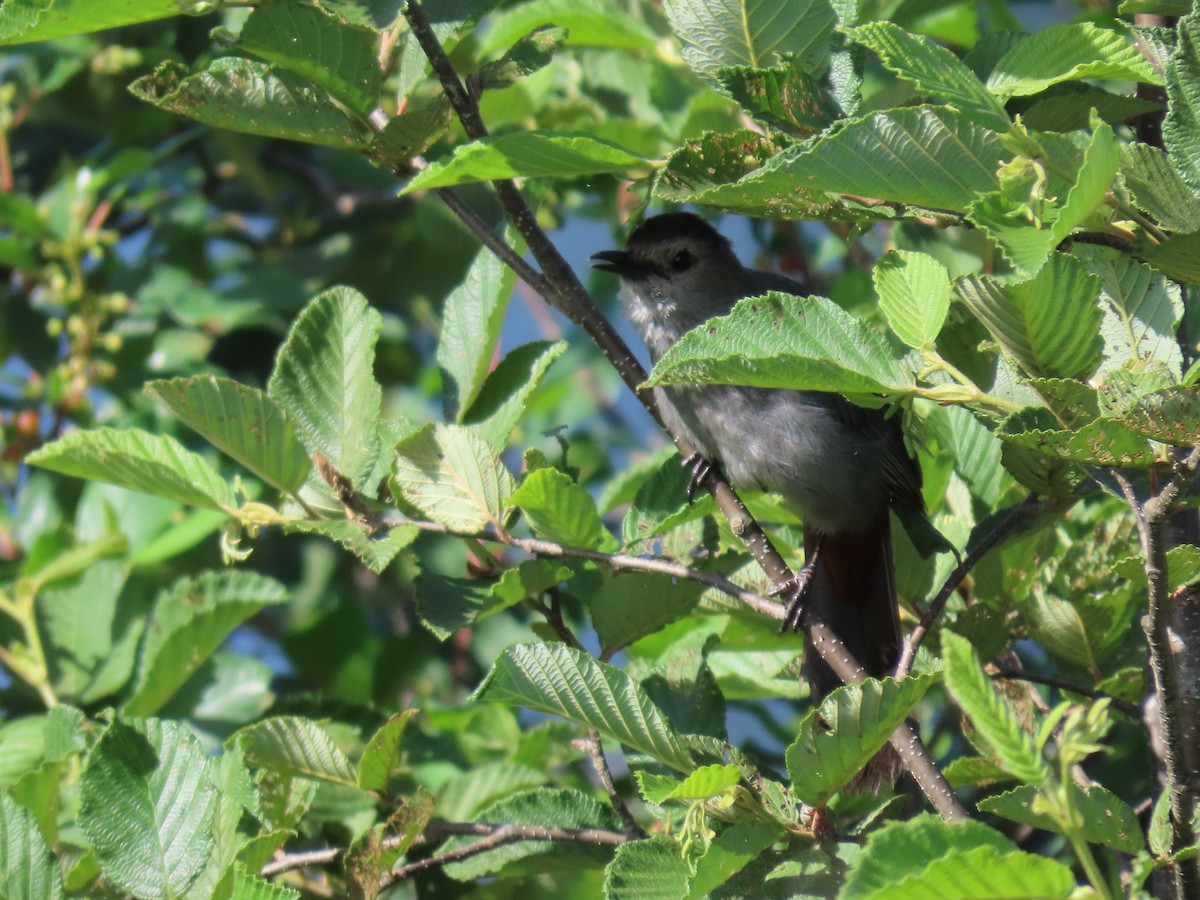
(1181, 128)
(375, 551)
(502, 400)
(190, 620)
(1049, 323)
(652, 869)
(994, 720)
(849, 727)
(785, 97)
(1158, 188)
(255, 98)
(559, 680)
(27, 867)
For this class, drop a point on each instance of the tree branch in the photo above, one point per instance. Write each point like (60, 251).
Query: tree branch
(595, 752)
(573, 300)
(1062, 684)
(1018, 514)
(1169, 622)
(494, 835)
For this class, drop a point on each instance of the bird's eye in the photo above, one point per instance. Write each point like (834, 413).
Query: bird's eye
(682, 261)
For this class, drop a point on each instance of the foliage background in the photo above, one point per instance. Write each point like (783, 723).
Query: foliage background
(244, 198)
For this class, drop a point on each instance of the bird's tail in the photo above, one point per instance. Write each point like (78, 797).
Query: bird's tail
(853, 591)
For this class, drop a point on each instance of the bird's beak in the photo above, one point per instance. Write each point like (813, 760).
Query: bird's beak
(620, 263)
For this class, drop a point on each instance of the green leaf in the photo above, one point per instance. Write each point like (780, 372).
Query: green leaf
(381, 755)
(559, 510)
(1069, 631)
(240, 421)
(652, 869)
(784, 341)
(27, 867)
(985, 873)
(325, 382)
(135, 459)
(447, 604)
(1158, 188)
(631, 605)
(1104, 818)
(453, 477)
(739, 172)
(1178, 256)
(375, 551)
(527, 154)
(589, 23)
(705, 783)
(728, 853)
(465, 795)
(471, 320)
(1181, 128)
(190, 621)
(752, 33)
(1067, 52)
(661, 504)
(1069, 107)
(411, 132)
(851, 725)
(340, 57)
(1141, 310)
(935, 71)
(25, 21)
(247, 886)
(547, 807)
(914, 295)
(562, 681)
(995, 722)
(786, 97)
(291, 745)
(1171, 416)
(90, 628)
(147, 806)
(532, 52)
(904, 848)
(1028, 245)
(1049, 323)
(252, 97)
(1101, 442)
(923, 156)
(506, 392)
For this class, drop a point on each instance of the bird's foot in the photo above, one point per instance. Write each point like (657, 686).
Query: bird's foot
(701, 470)
(795, 592)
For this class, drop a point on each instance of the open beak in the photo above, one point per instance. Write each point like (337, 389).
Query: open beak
(620, 263)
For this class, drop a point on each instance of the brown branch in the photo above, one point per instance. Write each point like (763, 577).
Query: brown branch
(1063, 684)
(498, 836)
(1017, 515)
(619, 561)
(595, 752)
(569, 296)
(437, 830)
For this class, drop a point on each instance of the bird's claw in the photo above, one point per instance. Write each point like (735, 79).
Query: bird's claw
(701, 470)
(795, 592)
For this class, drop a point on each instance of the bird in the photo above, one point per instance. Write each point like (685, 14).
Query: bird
(839, 466)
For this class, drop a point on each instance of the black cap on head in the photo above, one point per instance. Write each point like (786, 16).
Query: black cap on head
(671, 227)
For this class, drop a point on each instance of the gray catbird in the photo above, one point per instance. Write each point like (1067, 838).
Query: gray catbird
(840, 466)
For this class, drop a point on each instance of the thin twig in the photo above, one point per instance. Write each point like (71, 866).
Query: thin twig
(619, 561)
(507, 834)
(1063, 684)
(437, 830)
(1018, 514)
(595, 751)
